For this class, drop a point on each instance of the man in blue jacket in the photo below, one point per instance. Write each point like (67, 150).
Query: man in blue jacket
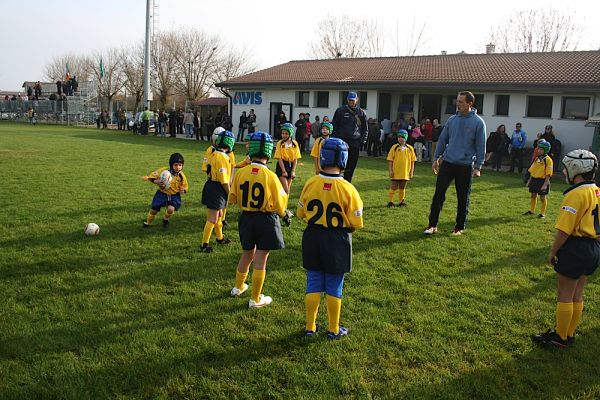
(350, 124)
(458, 156)
(517, 144)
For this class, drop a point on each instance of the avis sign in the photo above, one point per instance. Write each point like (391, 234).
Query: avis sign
(247, 98)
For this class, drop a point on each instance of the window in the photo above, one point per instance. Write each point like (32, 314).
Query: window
(407, 102)
(478, 103)
(322, 99)
(539, 106)
(302, 99)
(451, 104)
(575, 107)
(502, 102)
(362, 98)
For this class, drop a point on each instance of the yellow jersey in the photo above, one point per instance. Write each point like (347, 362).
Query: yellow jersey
(208, 154)
(541, 168)
(316, 150)
(330, 201)
(287, 151)
(255, 188)
(220, 167)
(402, 158)
(579, 210)
(178, 182)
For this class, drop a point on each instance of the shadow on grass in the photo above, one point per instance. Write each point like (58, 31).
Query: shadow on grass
(542, 373)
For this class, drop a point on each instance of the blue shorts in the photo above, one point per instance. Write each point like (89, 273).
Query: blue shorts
(318, 282)
(162, 200)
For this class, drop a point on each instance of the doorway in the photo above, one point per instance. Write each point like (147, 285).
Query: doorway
(384, 108)
(430, 106)
(275, 109)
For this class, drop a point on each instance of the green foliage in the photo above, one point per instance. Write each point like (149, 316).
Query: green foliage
(136, 313)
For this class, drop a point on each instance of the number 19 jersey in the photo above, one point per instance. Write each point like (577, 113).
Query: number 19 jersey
(257, 189)
(330, 201)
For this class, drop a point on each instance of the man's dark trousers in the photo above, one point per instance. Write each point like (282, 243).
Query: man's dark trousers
(516, 155)
(353, 151)
(463, 176)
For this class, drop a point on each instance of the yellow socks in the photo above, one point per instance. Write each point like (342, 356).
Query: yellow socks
(168, 215)
(401, 195)
(208, 228)
(334, 308)
(219, 229)
(577, 313)
(564, 314)
(258, 278)
(150, 218)
(224, 214)
(312, 301)
(544, 206)
(240, 278)
(533, 204)
(391, 194)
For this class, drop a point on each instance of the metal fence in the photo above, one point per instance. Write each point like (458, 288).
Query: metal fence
(69, 111)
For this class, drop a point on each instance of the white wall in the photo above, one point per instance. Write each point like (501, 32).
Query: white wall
(572, 133)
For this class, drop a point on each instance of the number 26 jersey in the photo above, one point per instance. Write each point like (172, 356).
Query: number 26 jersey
(330, 201)
(255, 188)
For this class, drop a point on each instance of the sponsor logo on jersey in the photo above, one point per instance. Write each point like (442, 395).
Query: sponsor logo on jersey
(327, 186)
(569, 209)
(254, 171)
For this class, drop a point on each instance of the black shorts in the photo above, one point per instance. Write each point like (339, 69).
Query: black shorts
(578, 256)
(327, 250)
(535, 186)
(262, 230)
(288, 169)
(214, 195)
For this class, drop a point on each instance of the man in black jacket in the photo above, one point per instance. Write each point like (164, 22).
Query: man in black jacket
(350, 124)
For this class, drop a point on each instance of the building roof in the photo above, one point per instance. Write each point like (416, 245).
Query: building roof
(213, 101)
(577, 70)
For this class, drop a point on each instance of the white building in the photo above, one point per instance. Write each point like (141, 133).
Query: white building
(561, 89)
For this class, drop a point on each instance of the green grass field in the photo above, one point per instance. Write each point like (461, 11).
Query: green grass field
(136, 314)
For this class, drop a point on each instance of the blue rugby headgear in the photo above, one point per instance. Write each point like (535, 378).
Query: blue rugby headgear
(334, 153)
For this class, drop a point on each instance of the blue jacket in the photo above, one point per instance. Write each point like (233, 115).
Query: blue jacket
(349, 124)
(519, 139)
(462, 140)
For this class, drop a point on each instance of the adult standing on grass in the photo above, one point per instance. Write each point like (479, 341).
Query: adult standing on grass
(518, 140)
(458, 156)
(350, 124)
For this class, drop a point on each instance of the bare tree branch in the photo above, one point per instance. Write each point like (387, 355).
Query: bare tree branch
(537, 30)
(56, 69)
(347, 37)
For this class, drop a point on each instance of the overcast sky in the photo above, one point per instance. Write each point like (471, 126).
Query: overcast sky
(34, 31)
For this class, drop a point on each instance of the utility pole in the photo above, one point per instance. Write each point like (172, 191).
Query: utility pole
(147, 49)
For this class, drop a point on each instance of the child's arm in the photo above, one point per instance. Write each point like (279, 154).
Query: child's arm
(282, 167)
(391, 168)
(412, 169)
(316, 162)
(546, 183)
(560, 239)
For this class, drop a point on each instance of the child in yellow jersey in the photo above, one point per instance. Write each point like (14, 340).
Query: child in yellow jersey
(216, 190)
(247, 160)
(206, 161)
(401, 166)
(326, 130)
(287, 153)
(261, 198)
(167, 197)
(575, 252)
(332, 208)
(540, 173)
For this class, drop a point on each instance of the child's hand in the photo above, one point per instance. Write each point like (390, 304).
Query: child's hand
(181, 190)
(552, 259)
(544, 187)
(161, 185)
(293, 174)
(284, 174)
(391, 174)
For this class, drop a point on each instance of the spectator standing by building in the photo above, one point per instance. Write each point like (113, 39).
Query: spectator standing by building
(188, 123)
(350, 124)
(518, 141)
(251, 121)
(497, 144)
(209, 122)
(173, 123)
(300, 125)
(242, 126)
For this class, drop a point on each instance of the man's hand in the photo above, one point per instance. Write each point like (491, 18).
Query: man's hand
(476, 172)
(436, 165)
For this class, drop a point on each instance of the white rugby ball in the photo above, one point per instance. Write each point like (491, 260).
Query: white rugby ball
(165, 178)
(91, 229)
